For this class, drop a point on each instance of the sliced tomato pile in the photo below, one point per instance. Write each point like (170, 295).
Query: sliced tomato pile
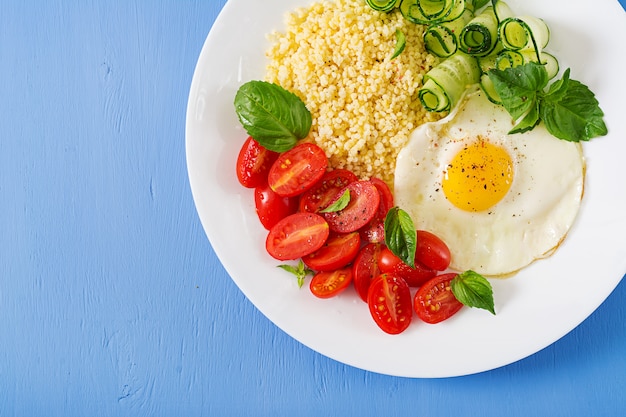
(297, 199)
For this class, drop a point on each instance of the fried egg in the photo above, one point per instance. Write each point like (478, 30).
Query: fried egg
(499, 201)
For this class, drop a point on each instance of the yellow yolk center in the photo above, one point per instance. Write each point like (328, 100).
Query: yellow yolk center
(478, 176)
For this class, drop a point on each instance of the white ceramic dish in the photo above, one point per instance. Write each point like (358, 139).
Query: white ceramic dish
(535, 308)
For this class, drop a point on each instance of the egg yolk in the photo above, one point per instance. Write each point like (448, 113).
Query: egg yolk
(478, 176)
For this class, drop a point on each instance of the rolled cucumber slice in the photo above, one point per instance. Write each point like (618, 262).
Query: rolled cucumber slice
(426, 12)
(510, 59)
(441, 39)
(480, 35)
(549, 61)
(487, 86)
(444, 84)
(524, 32)
(383, 5)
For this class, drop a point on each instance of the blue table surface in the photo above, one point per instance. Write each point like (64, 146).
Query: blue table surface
(112, 302)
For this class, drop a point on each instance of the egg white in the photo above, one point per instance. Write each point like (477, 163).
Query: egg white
(532, 218)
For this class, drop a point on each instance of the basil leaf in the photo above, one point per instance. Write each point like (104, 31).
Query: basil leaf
(299, 271)
(273, 116)
(571, 112)
(338, 205)
(400, 235)
(518, 86)
(400, 43)
(529, 121)
(558, 88)
(473, 290)
(568, 109)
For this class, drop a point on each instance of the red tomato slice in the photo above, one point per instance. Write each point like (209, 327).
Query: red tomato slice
(270, 207)
(297, 170)
(434, 301)
(320, 195)
(389, 301)
(364, 201)
(386, 196)
(338, 251)
(365, 268)
(374, 231)
(330, 283)
(296, 235)
(253, 163)
(432, 251)
(391, 264)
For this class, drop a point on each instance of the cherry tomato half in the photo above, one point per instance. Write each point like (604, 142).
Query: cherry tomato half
(389, 301)
(338, 251)
(327, 284)
(434, 301)
(270, 207)
(297, 170)
(431, 251)
(391, 264)
(320, 195)
(253, 163)
(374, 231)
(364, 201)
(297, 235)
(365, 268)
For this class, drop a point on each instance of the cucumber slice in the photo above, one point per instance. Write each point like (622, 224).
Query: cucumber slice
(501, 10)
(383, 5)
(524, 32)
(487, 86)
(551, 64)
(549, 61)
(425, 12)
(444, 84)
(480, 35)
(440, 39)
(511, 59)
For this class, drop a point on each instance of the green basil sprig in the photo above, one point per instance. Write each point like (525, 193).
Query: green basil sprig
(300, 271)
(473, 290)
(400, 235)
(568, 109)
(341, 203)
(273, 116)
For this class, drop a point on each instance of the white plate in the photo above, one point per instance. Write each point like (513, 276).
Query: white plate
(535, 308)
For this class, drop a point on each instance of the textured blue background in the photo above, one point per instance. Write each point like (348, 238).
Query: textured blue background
(112, 302)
